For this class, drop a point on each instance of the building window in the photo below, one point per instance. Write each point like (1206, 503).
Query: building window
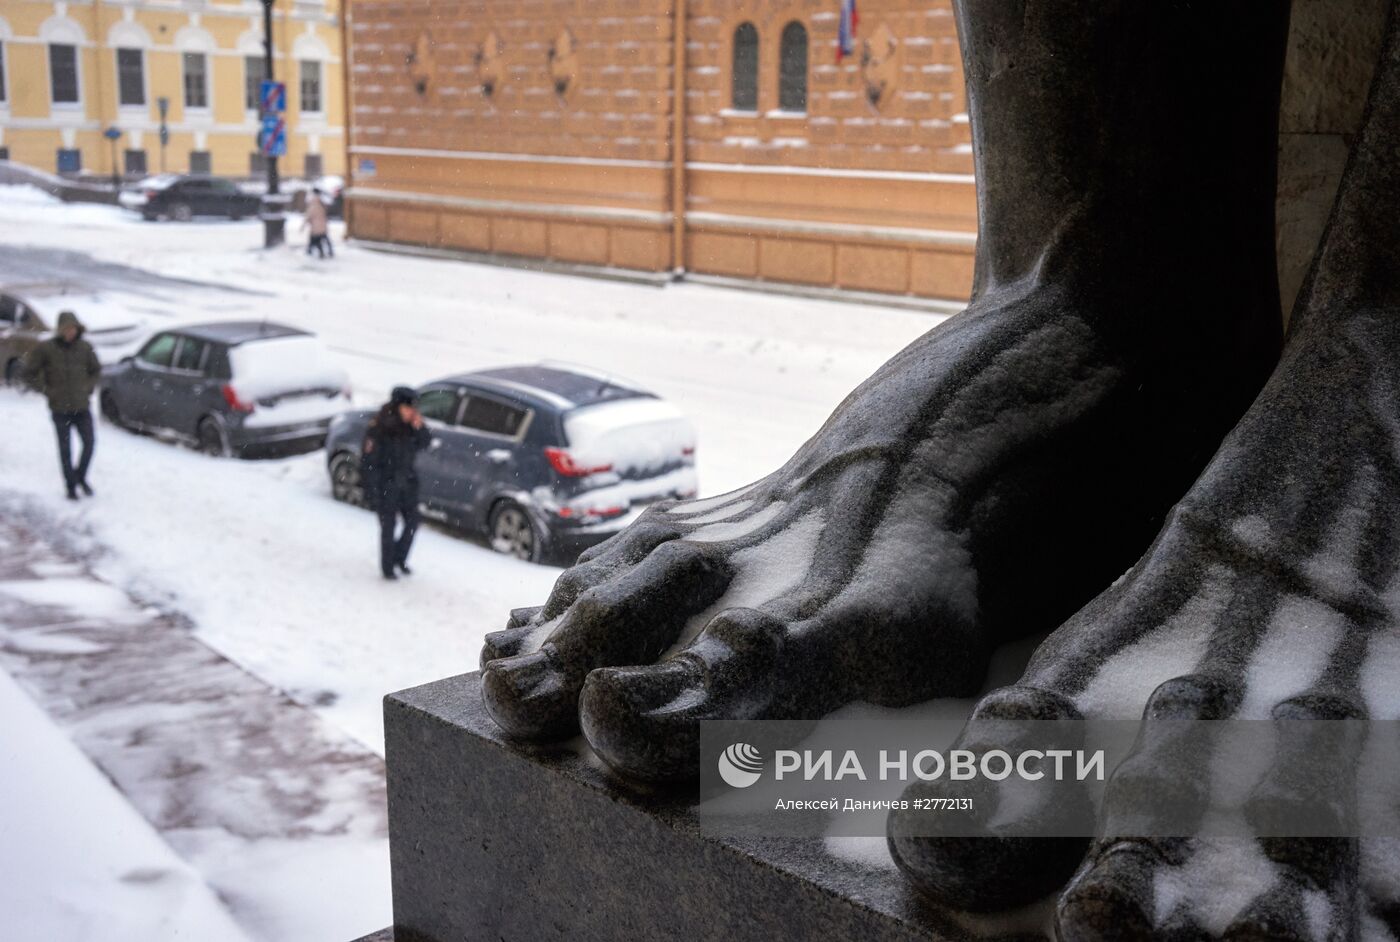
(70, 160)
(744, 94)
(63, 74)
(3, 93)
(311, 86)
(196, 80)
(254, 71)
(200, 163)
(131, 77)
(312, 170)
(792, 68)
(257, 164)
(134, 161)
(4, 153)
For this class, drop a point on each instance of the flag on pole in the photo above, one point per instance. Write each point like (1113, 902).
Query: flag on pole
(850, 22)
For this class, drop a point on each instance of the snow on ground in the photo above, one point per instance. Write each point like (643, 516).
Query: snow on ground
(81, 865)
(280, 812)
(274, 574)
(281, 579)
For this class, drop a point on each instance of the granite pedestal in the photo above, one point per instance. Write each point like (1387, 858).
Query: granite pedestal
(494, 840)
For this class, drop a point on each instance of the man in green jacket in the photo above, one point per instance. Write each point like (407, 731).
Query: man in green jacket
(65, 369)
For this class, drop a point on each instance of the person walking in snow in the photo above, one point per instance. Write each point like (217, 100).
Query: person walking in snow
(65, 369)
(387, 467)
(318, 221)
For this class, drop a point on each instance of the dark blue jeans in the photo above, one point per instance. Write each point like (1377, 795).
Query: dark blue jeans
(394, 551)
(65, 423)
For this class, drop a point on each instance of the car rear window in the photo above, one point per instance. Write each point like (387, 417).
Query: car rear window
(283, 364)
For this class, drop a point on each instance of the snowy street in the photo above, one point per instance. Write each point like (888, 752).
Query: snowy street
(265, 569)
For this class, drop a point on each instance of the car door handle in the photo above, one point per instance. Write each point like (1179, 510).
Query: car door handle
(498, 456)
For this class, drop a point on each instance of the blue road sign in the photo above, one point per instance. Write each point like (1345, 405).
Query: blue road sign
(274, 97)
(112, 133)
(272, 140)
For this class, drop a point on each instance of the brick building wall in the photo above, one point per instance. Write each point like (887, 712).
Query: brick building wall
(544, 128)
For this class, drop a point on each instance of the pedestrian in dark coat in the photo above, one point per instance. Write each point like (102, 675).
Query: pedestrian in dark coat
(395, 437)
(65, 369)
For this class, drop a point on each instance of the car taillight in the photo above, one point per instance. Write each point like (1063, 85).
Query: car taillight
(563, 462)
(150, 194)
(583, 513)
(687, 452)
(234, 403)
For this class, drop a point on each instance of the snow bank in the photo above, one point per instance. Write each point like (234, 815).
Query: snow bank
(637, 435)
(92, 869)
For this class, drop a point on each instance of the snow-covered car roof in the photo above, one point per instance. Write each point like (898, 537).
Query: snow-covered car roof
(158, 182)
(96, 311)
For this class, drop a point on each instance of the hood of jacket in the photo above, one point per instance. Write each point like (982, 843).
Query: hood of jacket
(68, 319)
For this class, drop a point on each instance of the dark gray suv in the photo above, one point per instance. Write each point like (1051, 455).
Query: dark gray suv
(542, 460)
(231, 388)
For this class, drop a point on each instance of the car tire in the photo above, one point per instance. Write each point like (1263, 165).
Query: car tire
(107, 403)
(212, 440)
(346, 485)
(513, 533)
(181, 212)
(12, 377)
(149, 217)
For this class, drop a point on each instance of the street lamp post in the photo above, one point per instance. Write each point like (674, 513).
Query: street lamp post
(163, 105)
(274, 205)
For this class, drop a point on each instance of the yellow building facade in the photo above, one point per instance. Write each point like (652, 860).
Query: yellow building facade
(71, 70)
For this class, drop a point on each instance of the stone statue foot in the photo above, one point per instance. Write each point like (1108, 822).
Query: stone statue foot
(1272, 592)
(921, 526)
(1125, 314)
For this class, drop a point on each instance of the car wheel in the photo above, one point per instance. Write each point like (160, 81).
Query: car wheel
(181, 212)
(513, 533)
(12, 373)
(346, 485)
(211, 439)
(108, 403)
(149, 217)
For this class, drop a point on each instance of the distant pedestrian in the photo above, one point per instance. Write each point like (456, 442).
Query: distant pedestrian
(387, 468)
(318, 221)
(65, 369)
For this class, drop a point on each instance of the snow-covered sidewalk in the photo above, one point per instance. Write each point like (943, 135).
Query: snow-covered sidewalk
(81, 864)
(278, 812)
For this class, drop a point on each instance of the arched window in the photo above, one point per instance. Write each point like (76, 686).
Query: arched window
(792, 68)
(744, 96)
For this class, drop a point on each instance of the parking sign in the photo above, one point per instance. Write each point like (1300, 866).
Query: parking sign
(274, 97)
(272, 139)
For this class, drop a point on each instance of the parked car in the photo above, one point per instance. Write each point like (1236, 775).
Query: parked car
(28, 314)
(172, 196)
(231, 388)
(542, 460)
